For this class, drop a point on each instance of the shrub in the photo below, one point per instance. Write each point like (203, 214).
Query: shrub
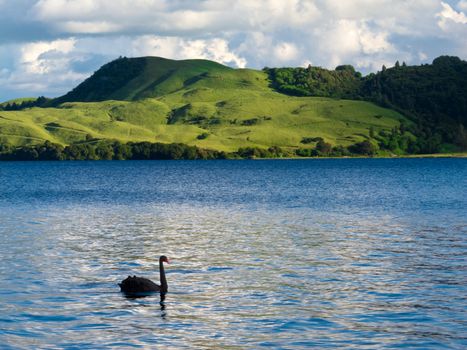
(363, 148)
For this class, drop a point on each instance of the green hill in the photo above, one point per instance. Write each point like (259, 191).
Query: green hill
(138, 78)
(205, 104)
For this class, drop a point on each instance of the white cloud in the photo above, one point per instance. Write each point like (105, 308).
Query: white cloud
(356, 9)
(90, 27)
(422, 56)
(365, 33)
(462, 5)
(63, 10)
(257, 46)
(285, 52)
(453, 29)
(261, 49)
(373, 63)
(347, 41)
(358, 26)
(340, 37)
(33, 60)
(270, 14)
(177, 17)
(374, 42)
(179, 48)
(42, 67)
(449, 15)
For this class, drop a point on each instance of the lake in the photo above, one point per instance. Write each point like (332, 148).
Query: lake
(273, 254)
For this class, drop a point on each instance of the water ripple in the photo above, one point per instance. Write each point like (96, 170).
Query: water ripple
(257, 261)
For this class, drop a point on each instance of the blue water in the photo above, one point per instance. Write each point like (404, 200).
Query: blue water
(285, 254)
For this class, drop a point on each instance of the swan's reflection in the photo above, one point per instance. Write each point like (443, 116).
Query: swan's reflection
(162, 304)
(139, 296)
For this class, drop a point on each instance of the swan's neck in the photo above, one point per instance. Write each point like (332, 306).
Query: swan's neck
(163, 279)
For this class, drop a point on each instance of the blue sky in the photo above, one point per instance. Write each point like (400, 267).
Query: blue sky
(49, 46)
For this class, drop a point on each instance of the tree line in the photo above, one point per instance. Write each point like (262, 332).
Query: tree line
(16, 106)
(115, 150)
(107, 150)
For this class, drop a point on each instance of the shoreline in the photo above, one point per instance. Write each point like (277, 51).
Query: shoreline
(411, 156)
(407, 156)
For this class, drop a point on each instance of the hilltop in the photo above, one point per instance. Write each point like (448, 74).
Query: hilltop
(205, 104)
(129, 79)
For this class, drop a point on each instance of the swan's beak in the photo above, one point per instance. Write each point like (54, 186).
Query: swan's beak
(168, 261)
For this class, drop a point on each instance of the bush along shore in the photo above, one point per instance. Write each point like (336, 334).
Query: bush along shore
(115, 150)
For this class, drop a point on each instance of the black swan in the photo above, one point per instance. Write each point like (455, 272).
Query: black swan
(140, 285)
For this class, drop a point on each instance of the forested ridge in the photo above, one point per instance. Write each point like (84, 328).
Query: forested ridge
(433, 96)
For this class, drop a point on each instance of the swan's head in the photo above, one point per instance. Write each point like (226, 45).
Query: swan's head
(163, 258)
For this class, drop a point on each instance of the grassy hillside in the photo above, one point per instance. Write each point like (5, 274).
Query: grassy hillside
(195, 102)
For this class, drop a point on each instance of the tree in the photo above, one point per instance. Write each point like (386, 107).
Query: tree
(121, 151)
(323, 148)
(104, 151)
(27, 154)
(461, 137)
(364, 148)
(50, 151)
(5, 148)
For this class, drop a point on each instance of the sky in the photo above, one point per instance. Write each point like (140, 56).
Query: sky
(49, 46)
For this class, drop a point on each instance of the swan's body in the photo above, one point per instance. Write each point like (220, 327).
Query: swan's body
(140, 285)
